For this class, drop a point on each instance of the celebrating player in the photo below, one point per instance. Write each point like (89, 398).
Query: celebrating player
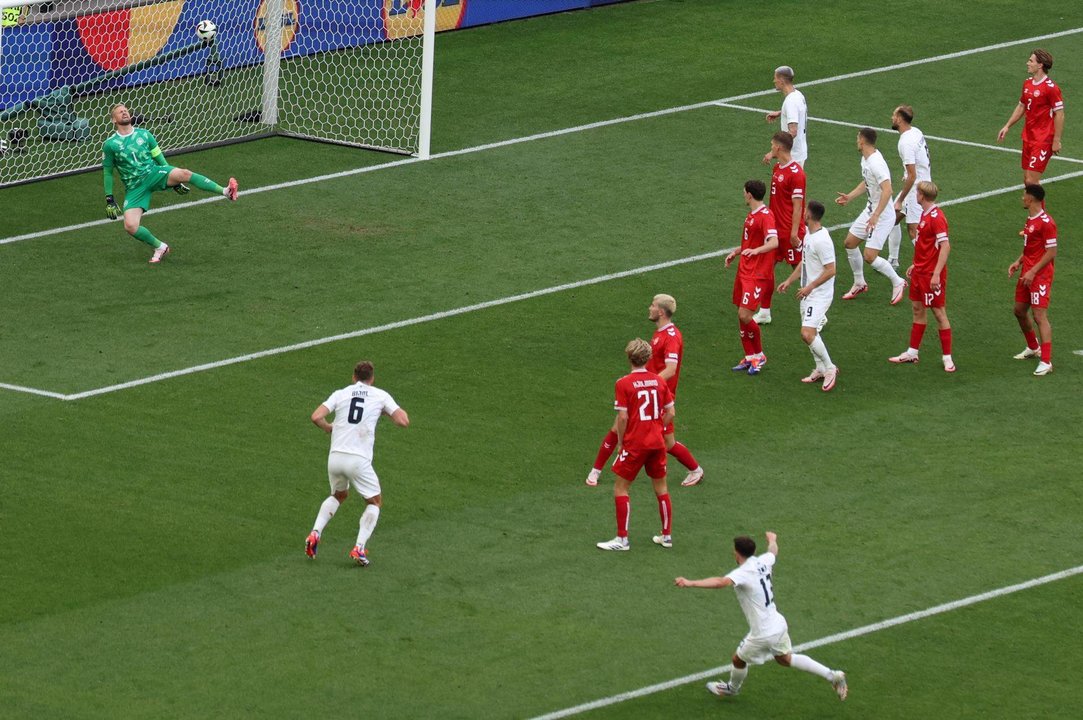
(914, 153)
(1043, 106)
(755, 273)
(873, 224)
(1035, 286)
(143, 170)
(357, 409)
(768, 633)
(929, 277)
(793, 116)
(817, 272)
(787, 207)
(644, 406)
(667, 352)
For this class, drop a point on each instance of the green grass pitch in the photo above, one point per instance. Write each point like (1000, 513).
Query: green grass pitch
(151, 549)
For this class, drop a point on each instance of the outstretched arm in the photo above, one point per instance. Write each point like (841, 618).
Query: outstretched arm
(712, 582)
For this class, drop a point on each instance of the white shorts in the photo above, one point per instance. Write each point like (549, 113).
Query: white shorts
(879, 234)
(911, 207)
(757, 651)
(344, 470)
(814, 311)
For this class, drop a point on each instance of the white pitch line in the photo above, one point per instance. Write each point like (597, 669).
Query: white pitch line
(953, 141)
(829, 640)
(554, 133)
(465, 309)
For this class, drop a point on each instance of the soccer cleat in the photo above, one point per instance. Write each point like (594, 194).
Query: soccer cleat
(160, 252)
(721, 688)
(906, 357)
(231, 189)
(1028, 354)
(742, 366)
(694, 477)
(838, 681)
(756, 364)
(618, 543)
(593, 476)
(762, 317)
(855, 291)
(897, 293)
(1043, 368)
(360, 556)
(665, 541)
(813, 376)
(949, 366)
(894, 263)
(312, 543)
(829, 379)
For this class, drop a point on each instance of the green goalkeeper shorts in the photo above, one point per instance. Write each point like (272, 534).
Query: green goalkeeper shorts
(155, 181)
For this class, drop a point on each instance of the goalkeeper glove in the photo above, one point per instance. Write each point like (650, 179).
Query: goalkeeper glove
(181, 189)
(112, 210)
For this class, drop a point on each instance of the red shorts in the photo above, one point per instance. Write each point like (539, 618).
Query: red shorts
(919, 290)
(1037, 296)
(748, 293)
(630, 462)
(1036, 155)
(788, 254)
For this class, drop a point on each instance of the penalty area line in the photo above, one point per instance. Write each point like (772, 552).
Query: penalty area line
(557, 133)
(828, 640)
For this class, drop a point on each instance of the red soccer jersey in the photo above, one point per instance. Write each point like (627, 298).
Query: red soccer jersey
(1040, 100)
(932, 230)
(787, 192)
(759, 228)
(645, 396)
(1039, 234)
(667, 346)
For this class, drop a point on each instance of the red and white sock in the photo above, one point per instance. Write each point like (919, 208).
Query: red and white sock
(624, 510)
(665, 511)
(746, 340)
(753, 331)
(606, 450)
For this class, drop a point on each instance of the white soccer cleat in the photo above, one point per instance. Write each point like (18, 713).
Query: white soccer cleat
(762, 317)
(838, 681)
(1043, 368)
(814, 376)
(665, 541)
(593, 476)
(1027, 354)
(618, 543)
(829, 379)
(160, 252)
(897, 293)
(721, 688)
(905, 357)
(855, 291)
(949, 365)
(694, 477)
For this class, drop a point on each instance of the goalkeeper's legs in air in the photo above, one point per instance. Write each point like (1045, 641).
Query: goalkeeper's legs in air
(179, 176)
(132, 224)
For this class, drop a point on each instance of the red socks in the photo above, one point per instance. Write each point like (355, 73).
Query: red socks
(1047, 352)
(1032, 339)
(606, 450)
(916, 333)
(750, 338)
(665, 511)
(684, 456)
(623, 511)
(945, 341)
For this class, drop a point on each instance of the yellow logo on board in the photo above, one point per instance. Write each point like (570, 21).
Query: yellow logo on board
(291, 18)
(406, 18)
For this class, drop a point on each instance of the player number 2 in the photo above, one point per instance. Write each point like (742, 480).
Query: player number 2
(648, 409)
(765, 583)
(357, 410)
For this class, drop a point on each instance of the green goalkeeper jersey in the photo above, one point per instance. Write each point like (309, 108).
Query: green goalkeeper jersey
(133, 155)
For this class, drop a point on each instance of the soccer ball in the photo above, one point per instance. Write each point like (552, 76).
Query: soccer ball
(206, 30)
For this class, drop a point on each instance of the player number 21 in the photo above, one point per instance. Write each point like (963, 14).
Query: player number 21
(648, 408)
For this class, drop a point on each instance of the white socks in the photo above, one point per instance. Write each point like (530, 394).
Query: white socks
(883, 267)
(327, 511)
(804, 662)
(819, 352)
(737, 677)
(368, 524)
(857, 264)
(894, 240)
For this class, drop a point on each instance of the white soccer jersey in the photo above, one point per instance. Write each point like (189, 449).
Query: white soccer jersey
(817, 252)
(752, 581)
(874, 170)
(914, 151)
(795, 110)
(357, 409)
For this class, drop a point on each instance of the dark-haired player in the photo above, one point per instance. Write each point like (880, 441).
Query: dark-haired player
(755, 272)
(787, 205)
(1035, 285)
(1042, 105)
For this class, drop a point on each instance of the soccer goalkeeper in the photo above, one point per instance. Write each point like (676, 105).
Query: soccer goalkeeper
(143, 169)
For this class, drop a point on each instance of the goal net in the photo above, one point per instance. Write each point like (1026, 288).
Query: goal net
(355, 72)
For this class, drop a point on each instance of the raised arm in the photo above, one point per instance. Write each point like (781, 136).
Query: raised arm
(772, 543)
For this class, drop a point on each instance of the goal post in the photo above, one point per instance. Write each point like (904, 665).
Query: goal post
(352, 72)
